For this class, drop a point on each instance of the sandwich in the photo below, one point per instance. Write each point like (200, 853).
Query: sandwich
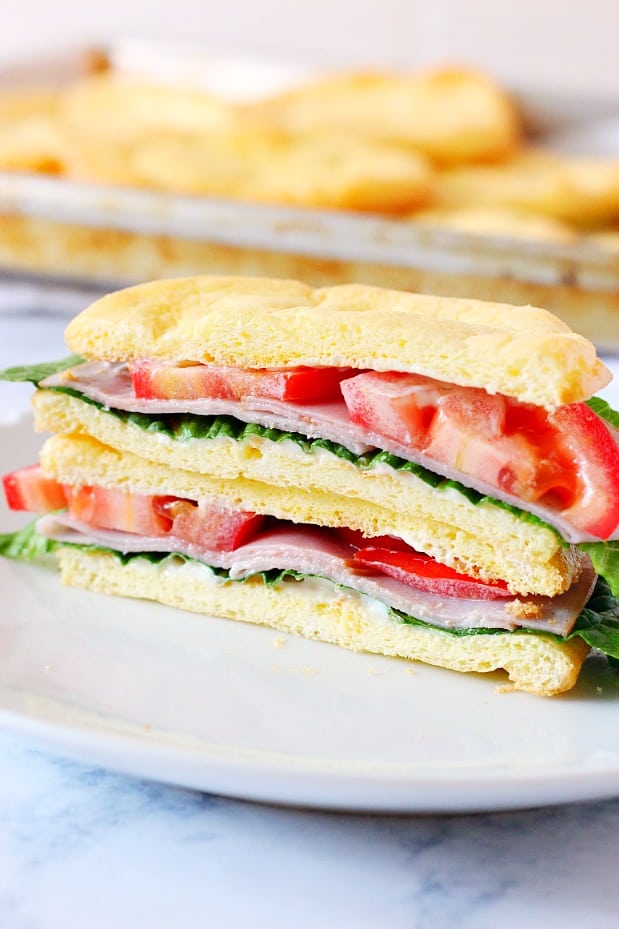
(414, 476)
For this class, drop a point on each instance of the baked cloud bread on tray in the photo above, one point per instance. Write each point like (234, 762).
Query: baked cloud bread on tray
(395, 473)
(451, 115)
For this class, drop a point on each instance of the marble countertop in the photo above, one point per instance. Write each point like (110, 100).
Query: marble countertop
(83, 847)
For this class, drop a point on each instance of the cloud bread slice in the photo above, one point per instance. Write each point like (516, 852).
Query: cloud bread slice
(452, 116)
(331, 171)
(111, 108)
(583, 191)
(523, 352)
(267, 477)
(320, 610)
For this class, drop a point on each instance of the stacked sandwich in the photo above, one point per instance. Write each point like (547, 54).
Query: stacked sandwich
(402, 474)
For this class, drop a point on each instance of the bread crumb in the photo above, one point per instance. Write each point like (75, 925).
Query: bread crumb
(520, 610)
(280, 642)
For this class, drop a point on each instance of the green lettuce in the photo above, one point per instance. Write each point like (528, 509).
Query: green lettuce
(26, 544)
(605, 558)
(36, 373)
(598, 624)
(604, 411)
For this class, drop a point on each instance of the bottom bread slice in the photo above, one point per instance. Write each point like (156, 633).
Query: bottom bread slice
(318, 609)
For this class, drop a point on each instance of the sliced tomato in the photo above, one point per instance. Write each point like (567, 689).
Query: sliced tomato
(143, 514)
(594, 455)
(212, 524)
(209, 523)
(399, 406)
(29, 489)
(470, 433)
(158, 380)
(567, 460)
(425, 573)
(357, 539)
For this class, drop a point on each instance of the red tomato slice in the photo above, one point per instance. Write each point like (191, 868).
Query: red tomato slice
(424, 573)
(357, 539)
(399, 406)
(471, 433)
(567, 460)
(142, 514)
(29, 489)
(158, 380)
(211, 524)
(594, 454)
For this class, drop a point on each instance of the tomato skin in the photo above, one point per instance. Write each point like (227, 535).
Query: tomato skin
(28, 489)
(142, 514)
(162, 381)
(357, 539)
(397, 405)
(424, 573)
(472, 432)
(208, 524)
(595, 456)
(212, 524)
(567, 460)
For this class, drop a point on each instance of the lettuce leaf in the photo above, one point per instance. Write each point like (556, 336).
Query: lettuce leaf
(37, 372)
(26, 544)
(598, 624)
(604, 411)
(605, 558)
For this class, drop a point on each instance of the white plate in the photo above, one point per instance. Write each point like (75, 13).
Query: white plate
(243, 711)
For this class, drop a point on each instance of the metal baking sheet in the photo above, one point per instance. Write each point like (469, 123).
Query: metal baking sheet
(320, 233)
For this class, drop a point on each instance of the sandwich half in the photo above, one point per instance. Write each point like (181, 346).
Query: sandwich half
(395, 473)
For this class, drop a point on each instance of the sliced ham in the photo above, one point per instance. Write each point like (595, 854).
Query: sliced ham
(110, 384)
(318, 552)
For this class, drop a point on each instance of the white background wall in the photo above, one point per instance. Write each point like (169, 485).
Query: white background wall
(553, 44)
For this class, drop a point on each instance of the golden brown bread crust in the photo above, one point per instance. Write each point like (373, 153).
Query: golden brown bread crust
(335, 171)
(266, 477)
(452, 116)
(110, 108)
(26, 103)
(31, 137)
(577, 190)
(522, 352)
(538, 664)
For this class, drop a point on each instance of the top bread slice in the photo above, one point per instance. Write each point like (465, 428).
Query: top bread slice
(522, 352)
